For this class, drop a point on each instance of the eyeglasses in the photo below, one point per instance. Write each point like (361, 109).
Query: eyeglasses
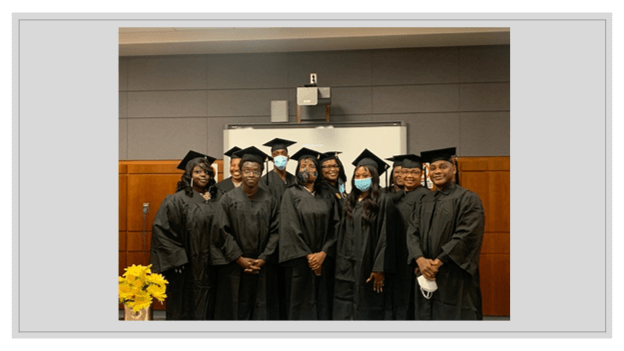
(330, 167)
(413, 173)
(249, 172)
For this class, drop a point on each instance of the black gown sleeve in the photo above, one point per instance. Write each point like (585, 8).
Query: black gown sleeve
(167, 246)
(273, 230)
(291, 242)
(330, 244)
(414, 242)
(464, 246)
(224, 247)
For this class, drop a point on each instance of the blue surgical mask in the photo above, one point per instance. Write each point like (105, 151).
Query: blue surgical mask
(280, 162)
(363, 184)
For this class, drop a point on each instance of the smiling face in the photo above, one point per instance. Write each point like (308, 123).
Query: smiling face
(397, 176)
(235, 169)
(331, 170)
(411, 178)
(442, 173)
(200, 178)
(251, 173)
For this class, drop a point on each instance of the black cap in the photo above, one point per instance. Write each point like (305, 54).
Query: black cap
(278, 144)
(368, 158)
(411, 161)
(329, 155)
(193, 155)
(305, 152)
(232, 152)
(253, 154)
(439, 154)
(397, 160)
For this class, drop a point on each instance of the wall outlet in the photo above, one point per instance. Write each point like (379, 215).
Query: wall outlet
(313, 78)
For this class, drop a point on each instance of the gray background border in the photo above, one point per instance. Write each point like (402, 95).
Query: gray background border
(105, 149)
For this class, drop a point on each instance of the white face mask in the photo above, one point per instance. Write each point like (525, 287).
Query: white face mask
(427, 287)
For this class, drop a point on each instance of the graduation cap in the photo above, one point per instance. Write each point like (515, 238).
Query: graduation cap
(368, 158)
(193, 155)
(253, 154)
(232, 152)
(278, 144)
(329, 155)
(410, 161)
(397, 161)
(439, 154)
(305, 152)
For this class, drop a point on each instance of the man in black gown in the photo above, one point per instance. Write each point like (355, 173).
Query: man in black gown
(278, 179)
(444, 239)
(407, 202)
(244, 241)
(236, 178)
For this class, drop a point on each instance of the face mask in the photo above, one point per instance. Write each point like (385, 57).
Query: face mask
(427, 287)
(341, 188)
(363, 184)
(280, 162)
(304, 176)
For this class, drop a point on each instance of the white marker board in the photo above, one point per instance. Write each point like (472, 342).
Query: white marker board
(384, 139)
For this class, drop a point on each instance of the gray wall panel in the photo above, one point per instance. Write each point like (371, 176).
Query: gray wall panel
(427, 131)
(484, 63)
(351, 118)
(351, 101)
(216, 125)
(123, 139)
(167, 104)
(243, 102)
(416, 98)
(415, 66)
(484, 97)
(485, 133)
(247, 71)
(167, 72)
(165, 138)
(123, 105)
(334, 69)
(123, 73)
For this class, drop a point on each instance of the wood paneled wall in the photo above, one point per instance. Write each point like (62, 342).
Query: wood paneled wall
(152, 181)
(489, 178)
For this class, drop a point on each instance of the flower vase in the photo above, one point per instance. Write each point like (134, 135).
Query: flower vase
(143, 315)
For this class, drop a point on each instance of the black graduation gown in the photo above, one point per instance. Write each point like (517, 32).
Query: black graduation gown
(401, 284)
(276, 185)
(308, 224)
(361, 250)
(249, 228)
(449, 225)
(226, 185)
(180, 237)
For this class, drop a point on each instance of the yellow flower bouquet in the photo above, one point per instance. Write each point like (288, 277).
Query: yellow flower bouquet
(138, 286)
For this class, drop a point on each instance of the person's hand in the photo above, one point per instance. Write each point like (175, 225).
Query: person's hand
(427, 268)
(258, 263)
(315, 260)
(247, 264)
(416, 270)
(378, 281)
(179, 269)
(438, 263)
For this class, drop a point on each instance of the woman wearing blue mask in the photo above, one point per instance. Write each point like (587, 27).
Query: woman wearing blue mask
(364, 236)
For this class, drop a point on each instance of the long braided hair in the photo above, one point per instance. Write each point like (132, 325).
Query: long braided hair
(185, 180)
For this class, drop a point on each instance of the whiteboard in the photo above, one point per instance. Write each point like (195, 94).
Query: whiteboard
(384, 139)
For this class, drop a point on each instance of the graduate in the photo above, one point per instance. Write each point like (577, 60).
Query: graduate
(308, 223)
(361, 260)
(278, 179)
(180, 247)
(444, 240)
(396, 177)
(334, 176)
(243, 241)
(236, 178)
(407, 202)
